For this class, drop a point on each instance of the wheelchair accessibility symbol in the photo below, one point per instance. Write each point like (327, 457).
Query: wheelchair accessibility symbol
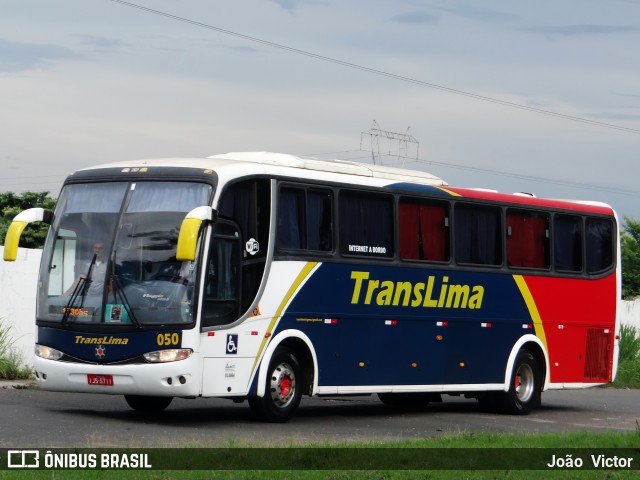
(232, 344)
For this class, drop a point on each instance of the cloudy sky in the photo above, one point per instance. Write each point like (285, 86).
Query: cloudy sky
(485, 87)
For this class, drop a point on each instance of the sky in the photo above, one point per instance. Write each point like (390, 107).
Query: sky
(541, 97)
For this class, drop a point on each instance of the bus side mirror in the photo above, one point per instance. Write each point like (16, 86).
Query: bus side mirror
(18, 225)
(188, 236)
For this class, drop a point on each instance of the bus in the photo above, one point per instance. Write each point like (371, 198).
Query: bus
(268, 277)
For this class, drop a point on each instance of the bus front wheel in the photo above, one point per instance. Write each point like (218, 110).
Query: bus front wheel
(283, 390)
(525, 387)
(148, 404)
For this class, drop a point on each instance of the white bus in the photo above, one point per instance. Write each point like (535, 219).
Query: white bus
(267, 277)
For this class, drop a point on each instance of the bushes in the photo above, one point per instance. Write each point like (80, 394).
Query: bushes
(629, 360)
(11, 367)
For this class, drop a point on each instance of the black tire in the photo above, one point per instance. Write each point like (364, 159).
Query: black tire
(525, 388)
(283, 390)
(148, 404)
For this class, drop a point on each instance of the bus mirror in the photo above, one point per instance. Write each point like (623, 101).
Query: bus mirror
(18, 225)
(188, 236)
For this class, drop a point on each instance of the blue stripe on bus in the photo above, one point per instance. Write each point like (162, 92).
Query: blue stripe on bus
(426, 190)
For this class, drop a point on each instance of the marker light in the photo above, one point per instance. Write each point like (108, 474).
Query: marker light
(49, 353)
(172, 355)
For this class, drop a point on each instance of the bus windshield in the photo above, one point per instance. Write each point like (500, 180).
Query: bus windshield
(110, 256)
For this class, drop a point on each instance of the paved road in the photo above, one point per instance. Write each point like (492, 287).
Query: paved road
(34, 418)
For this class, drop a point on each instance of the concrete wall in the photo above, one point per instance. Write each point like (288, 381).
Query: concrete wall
(18, 300)
(631, 313)
(18, 281)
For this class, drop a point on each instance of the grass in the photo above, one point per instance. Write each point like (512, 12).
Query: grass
(11, 367)
(629, 360)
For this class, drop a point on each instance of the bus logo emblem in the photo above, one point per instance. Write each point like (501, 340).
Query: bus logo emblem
(100, 351)
(232, 344)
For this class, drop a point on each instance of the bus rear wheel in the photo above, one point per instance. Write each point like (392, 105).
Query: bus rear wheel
(283, 390)
(148, 404)
(525, 387)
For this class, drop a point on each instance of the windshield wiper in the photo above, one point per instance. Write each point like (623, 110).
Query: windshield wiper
(80, 290)
(118, 290)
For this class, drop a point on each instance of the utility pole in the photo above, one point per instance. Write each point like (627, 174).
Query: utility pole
(399, 145)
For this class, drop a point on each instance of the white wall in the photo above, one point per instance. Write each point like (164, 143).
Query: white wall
(18, 300)
(631, 313)
(18, 281)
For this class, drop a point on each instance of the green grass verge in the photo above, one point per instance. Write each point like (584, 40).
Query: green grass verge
(11, 367)
(629, 359)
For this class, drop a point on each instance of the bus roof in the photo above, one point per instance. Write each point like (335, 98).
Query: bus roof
(334, 166)
(384, 174)
(528, 199)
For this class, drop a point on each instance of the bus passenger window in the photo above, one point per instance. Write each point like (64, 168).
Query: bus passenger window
(366, 225)
(320, 220)
(600, 252)
(478, 235)
(424, 232)
(291, 219)
(527, 239)
(305, 219)
(567, 243)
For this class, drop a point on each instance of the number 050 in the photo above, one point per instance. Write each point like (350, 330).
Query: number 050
(168, 339)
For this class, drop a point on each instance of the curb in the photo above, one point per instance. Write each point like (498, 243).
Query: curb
(18, 384)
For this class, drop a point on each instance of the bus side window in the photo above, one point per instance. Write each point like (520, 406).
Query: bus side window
(600, 251)
(291, 219)
(366, 224)
(305, 219)
(527, 239)
(567, 243)
(221, 304)
(424, 232)
(478, 235)
(320, 220)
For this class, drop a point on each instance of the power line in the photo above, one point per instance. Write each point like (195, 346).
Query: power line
(383, 73)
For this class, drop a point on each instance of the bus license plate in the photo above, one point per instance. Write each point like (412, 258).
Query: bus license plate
(100, 380)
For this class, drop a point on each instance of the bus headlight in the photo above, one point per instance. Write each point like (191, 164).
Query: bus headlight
(171, 355)
(49, 353)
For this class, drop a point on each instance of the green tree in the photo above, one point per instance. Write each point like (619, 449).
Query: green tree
(630, 244)
(13, 203)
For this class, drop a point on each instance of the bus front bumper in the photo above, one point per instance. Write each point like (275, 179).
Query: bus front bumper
(171, 379)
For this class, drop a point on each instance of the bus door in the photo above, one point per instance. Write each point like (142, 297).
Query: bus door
(234, 271)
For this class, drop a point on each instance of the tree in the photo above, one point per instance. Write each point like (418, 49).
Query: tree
(630, 245)
(12, 203)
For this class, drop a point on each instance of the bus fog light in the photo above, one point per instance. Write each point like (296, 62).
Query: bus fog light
(49, 353)
(171, 355)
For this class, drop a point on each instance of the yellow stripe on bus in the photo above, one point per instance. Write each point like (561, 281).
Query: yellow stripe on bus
(533, 309)
(306, 270)
(449, 192)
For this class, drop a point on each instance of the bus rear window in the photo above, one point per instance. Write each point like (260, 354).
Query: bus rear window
(600, 251)
(366, 225)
